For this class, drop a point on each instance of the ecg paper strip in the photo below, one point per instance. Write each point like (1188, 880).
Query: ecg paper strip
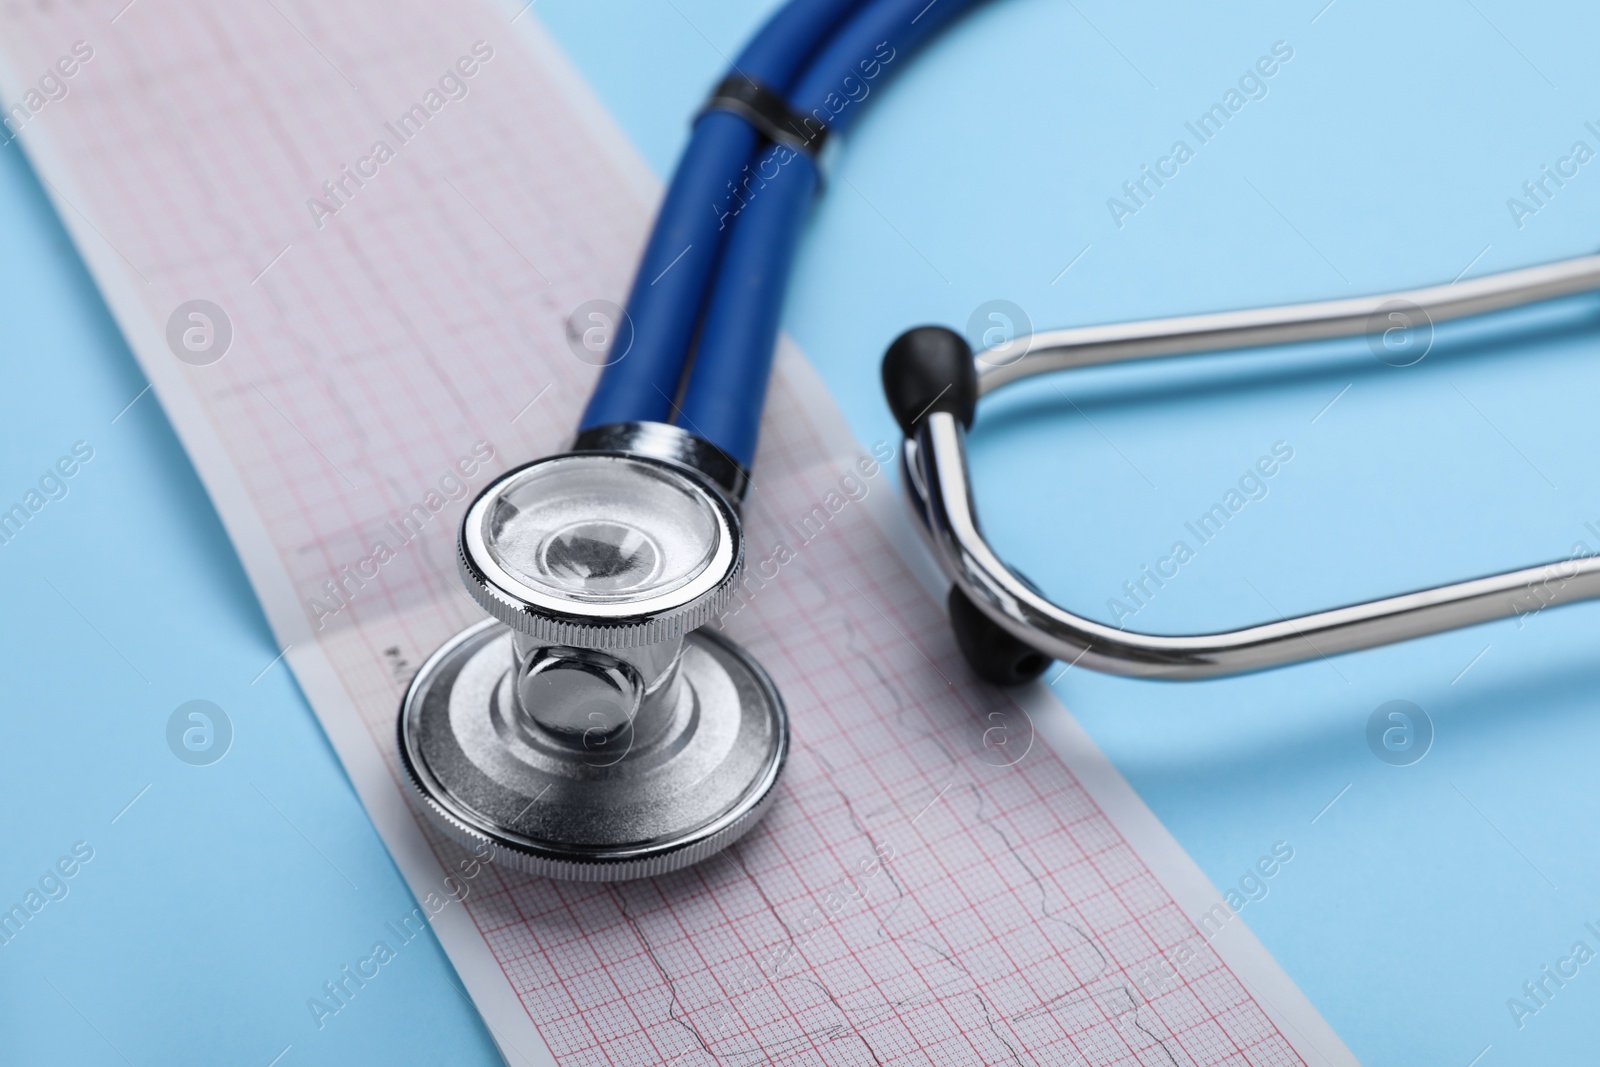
(931, 887)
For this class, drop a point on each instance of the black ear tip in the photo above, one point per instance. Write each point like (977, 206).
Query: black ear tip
(995, 655)
(929, 368)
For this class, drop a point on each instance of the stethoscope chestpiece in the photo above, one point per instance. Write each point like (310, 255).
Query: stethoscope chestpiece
(591, 729)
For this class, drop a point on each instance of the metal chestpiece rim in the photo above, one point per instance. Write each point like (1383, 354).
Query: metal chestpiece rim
(627, 859)
(628, 624)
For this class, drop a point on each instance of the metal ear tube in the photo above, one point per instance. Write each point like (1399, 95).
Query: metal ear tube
(1009, 631)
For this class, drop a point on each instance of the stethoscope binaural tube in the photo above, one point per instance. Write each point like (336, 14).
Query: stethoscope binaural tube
(1009, 631)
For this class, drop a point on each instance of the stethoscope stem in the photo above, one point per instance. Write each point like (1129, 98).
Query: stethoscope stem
(1285, 324)
(679, 263)
(734, 213)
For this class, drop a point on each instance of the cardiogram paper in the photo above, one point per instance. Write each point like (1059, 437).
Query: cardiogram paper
(397, 206)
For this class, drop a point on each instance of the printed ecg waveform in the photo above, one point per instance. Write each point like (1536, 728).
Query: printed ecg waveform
(933, 885)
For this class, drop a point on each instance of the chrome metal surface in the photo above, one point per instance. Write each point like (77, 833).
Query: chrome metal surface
(941, 495)
(660, 440)
(938, 488)
(694, 770)
(1087, 346)
(617, 621)
(578, 695)
(587, 731)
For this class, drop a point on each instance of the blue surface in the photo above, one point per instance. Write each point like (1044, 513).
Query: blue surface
(1382, 155)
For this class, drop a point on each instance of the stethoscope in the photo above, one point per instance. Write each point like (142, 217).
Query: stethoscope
(592, 727)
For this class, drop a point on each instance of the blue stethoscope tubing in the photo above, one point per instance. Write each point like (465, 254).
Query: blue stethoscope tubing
(714, 288)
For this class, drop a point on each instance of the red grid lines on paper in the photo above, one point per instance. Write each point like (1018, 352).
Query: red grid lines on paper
(913, 898)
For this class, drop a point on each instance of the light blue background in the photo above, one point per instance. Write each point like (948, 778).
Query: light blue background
(1382, 156)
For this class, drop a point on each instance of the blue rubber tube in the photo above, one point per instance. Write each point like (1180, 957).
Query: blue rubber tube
(669, 289)
(733, 360)
(728, 379)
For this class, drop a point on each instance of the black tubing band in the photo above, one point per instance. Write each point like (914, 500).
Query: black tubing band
(768, 112)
